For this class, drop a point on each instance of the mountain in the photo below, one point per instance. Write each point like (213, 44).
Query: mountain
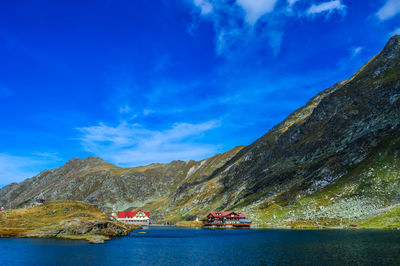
(95, 181)
(331, 162)
(318, 145)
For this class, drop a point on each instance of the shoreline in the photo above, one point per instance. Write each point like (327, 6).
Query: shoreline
(279, 227)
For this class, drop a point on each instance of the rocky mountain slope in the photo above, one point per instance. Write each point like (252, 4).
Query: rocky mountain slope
(333, 161)
(93, 180)
(315, 147)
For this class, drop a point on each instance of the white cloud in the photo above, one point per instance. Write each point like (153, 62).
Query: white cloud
(292, 2)
(124, 109)
(356, 50)
(17, 168)
(128, 144)
(148, 111)
(395, 32)
(389, 10)
(205, 6)
(328, 7)
(235, 28)
(290, 6)
(254, 9)
(246, 26)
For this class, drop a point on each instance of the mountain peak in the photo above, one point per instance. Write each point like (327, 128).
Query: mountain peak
(395, 37)
(86, 162)
(392, 47)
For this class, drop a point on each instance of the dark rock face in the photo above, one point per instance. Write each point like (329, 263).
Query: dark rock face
(314, 147)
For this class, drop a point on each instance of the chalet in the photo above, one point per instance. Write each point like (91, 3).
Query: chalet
(236, 219)
(138, 218)
(40, 199)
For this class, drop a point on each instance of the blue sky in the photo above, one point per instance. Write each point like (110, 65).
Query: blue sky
(137, 82)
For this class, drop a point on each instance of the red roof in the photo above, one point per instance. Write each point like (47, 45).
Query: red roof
(224, 214)
(131, 214)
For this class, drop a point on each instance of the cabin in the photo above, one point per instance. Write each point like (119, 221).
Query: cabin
(40, 200)
(236, 219)
(137, 218)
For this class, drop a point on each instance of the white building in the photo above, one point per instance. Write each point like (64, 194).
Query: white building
(138, 218)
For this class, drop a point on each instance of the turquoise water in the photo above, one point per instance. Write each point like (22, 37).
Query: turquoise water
(174, 246)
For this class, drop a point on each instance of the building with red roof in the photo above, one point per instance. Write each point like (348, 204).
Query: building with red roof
(138, 218)
(236, 219)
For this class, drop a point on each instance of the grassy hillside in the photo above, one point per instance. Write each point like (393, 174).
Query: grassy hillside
(65, 219)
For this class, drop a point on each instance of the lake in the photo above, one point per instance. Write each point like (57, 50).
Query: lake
(175, 246)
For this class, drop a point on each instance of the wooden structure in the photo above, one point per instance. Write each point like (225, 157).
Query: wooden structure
(234, 219)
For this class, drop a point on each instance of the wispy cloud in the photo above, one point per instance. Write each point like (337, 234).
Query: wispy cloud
(326, 7)
(256, 9)
(17, 168)
(4, 92)
(249, 24)
(395, 32)
(290, 6)
(205, 6)
(148, 111)
(390, 9)
(124, 109)
(356, 50)
(238, 26)
(292, 2)
(132, 144)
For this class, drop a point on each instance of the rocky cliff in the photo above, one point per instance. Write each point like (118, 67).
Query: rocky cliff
(333, 161)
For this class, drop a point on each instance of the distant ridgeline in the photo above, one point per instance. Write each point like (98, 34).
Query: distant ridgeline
(333, 162)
